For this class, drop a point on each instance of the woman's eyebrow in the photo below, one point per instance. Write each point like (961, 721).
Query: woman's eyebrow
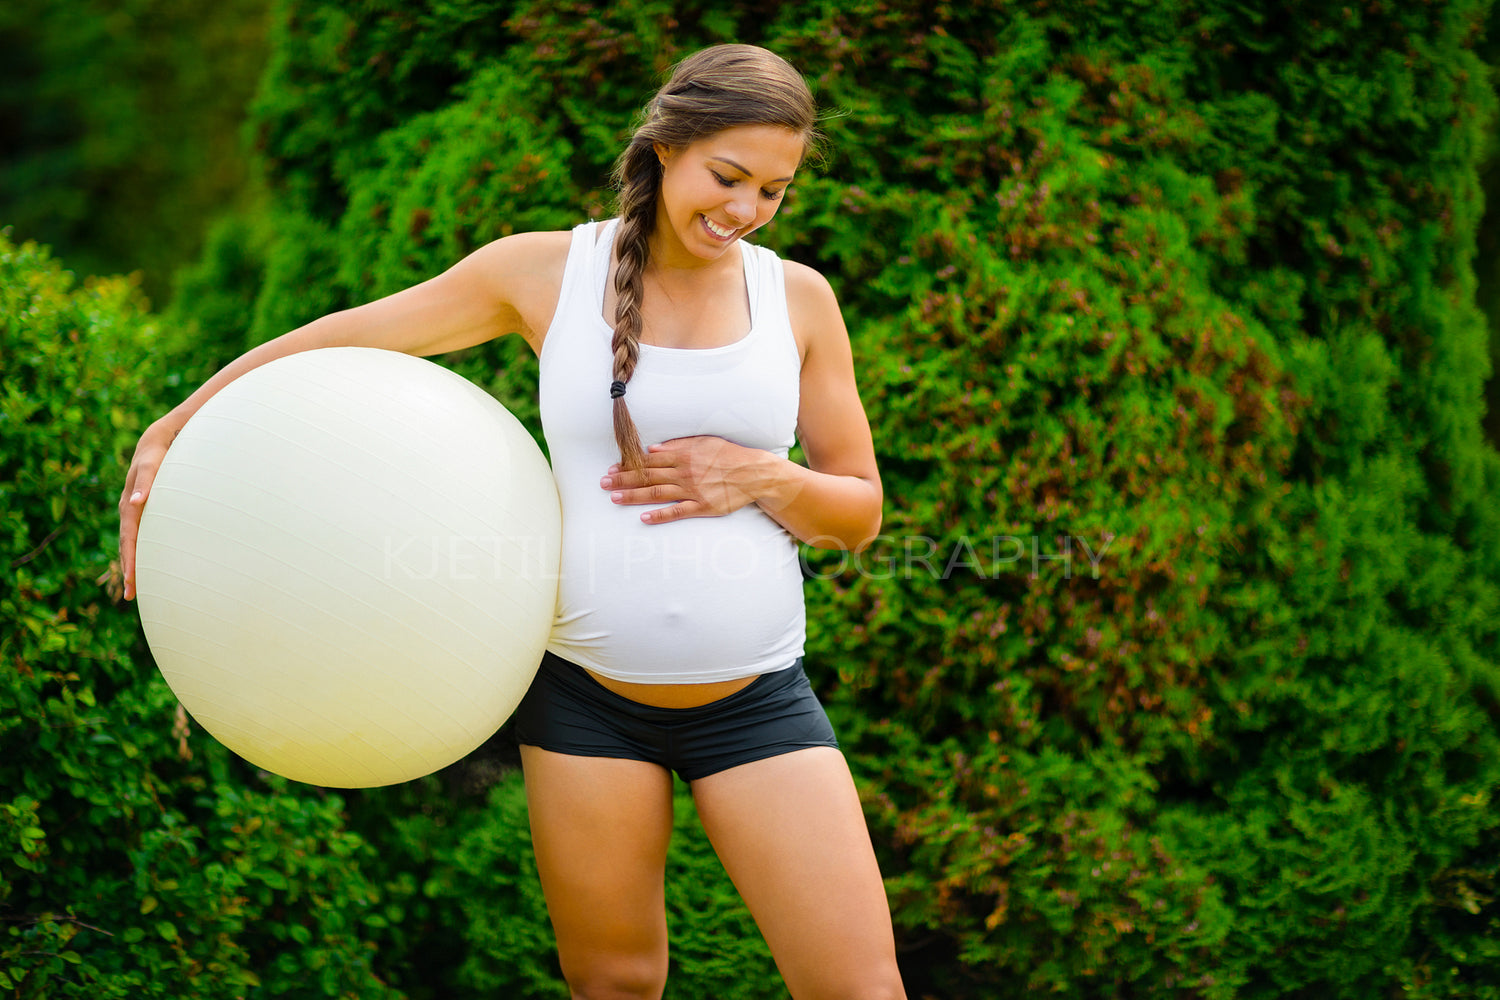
(722, 159)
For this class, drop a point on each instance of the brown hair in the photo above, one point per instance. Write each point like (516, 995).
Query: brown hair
(710, 91)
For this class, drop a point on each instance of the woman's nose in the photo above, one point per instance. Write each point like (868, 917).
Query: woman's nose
(741, 210)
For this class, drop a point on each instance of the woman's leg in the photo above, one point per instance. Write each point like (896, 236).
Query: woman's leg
(600, 828)
(792, 836)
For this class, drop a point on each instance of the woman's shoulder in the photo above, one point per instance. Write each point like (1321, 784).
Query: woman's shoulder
(517, 248)
(812, 306)
(520, 259)
(525, 270)
(804, 282)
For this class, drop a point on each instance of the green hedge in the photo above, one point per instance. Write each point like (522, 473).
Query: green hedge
(135, 859)
(119, 124)
(137, 856)
(464, 914)
(1177, 670)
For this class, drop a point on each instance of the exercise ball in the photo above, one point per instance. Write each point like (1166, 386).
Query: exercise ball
(347, 566)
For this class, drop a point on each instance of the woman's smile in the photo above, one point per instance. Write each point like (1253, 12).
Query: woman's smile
(720, 233)
(720, 189)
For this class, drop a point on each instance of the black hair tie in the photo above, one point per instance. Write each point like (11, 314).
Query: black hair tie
(616, 390)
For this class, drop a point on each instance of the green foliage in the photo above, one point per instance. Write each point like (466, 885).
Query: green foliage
(119, 126)
(221, 288)
(135, 858)
(464, 871)
(444, 183)
(1177, 670)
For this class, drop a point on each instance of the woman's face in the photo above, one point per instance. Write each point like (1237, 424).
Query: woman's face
(724, 187)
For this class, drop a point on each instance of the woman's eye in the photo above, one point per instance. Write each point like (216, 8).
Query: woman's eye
(730, 182)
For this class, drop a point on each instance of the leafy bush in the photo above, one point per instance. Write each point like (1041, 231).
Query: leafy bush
(119, 124)
(466, 910)
(1177, 666)
(136, 858)
(1177, 670)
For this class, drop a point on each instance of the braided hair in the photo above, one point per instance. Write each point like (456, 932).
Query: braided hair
(716, 89)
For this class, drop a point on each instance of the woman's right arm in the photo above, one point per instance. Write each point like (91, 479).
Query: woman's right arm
(508, 286)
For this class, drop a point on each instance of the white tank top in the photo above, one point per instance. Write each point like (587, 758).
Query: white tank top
(703, 598)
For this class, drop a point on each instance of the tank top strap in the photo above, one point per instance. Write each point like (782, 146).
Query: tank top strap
(572, 297)
(603, 235)
(765, 281)
(755, 284)
(578, 272)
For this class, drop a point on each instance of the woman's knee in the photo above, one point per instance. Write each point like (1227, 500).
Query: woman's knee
(880, 986)
(878, 982)
(617, 977)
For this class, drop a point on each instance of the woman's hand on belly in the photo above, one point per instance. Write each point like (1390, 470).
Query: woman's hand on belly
(702, 476)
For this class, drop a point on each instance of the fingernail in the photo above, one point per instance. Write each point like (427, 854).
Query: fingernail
(617, 497)
(605, 483)
(136, 496)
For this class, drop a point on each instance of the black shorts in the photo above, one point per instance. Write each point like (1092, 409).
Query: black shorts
(568, 711)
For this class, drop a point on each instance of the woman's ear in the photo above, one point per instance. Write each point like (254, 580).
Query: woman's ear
(663, 152)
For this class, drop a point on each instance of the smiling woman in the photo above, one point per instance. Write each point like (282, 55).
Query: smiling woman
(708, 200)
(679, 631)
(707, 186)
(712, 98)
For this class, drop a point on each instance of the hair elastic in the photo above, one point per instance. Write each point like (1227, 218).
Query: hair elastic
(616, 390)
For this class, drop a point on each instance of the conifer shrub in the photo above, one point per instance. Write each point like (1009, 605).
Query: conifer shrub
(137, 859)
(464, 913)
(118, 127)
(1174, 671)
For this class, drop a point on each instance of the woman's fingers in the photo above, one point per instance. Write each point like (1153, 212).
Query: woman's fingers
(653, 486)
(660, 492)
(663, 473)
(138, 482)
(693, 474)
(676, 512)
(131, 505)
(659, 483)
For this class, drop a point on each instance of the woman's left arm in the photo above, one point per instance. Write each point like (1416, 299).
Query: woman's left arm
(834, 501)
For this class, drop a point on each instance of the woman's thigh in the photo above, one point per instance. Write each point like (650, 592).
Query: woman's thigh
(790, 832)
(600, 827)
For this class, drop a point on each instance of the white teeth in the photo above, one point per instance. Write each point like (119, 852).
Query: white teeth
(723, 234)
